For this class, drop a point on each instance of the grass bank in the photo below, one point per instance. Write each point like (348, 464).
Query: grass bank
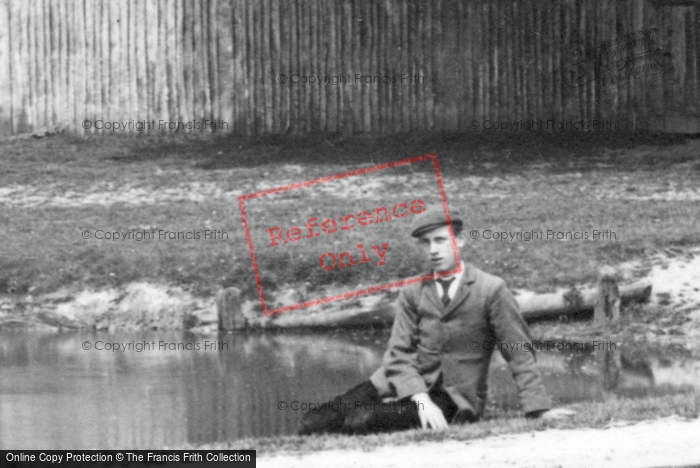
(54, 189)
(613, 411)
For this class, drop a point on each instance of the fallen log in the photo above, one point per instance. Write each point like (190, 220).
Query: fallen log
(544, 306)
(378, 311)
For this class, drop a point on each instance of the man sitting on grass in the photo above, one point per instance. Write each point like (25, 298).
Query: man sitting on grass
(436, 366)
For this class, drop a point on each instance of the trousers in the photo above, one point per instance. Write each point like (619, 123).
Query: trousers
(361, 410)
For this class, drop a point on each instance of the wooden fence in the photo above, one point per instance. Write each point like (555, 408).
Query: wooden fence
(370, 66)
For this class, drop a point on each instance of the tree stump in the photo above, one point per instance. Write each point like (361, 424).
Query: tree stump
(607, 306)
(228, 305)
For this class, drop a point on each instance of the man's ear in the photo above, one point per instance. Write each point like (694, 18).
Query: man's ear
(461, 239)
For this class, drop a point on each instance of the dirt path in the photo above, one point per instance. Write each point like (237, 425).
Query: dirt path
(664, 442)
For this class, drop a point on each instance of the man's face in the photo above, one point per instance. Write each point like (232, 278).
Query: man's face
(438, 247)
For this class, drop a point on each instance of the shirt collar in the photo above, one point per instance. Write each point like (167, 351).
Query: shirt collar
(459, 275)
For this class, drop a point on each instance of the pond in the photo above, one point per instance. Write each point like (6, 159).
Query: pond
(54, 394)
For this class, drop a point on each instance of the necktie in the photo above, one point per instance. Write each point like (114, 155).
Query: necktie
(445, 283)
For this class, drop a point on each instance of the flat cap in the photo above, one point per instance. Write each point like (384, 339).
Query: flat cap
(434, 217)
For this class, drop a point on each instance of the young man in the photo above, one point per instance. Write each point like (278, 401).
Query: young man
(436, 366)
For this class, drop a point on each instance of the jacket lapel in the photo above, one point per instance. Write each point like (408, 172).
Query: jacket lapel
(432, 296)
(462, 292)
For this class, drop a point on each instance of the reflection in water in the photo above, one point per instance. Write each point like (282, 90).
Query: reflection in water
(55, 395)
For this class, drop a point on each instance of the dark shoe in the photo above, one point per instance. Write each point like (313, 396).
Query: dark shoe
(329, 417)
(326, 418)
(382, 417)
(465, 411)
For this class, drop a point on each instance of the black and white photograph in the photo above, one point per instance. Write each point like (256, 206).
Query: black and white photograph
(350, 233)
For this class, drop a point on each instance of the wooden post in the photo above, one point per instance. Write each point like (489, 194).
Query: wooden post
(607, 306)
(228, 305)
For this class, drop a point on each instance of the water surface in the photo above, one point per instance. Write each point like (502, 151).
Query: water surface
(56, 395)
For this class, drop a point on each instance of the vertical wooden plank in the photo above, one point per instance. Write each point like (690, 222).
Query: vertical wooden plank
(476, 38)
(345, 64)
(437, 66)
(89, 65)
(132, 111)
(388, 57)
(189, 59)
(98, 34)
(59, 78)
(332, 66)
(557, 70)
(285, 26)
(408, 49)
(151, 58)
(266, 62)
(18, 80)
(540, 61)
(105, 61)
(114, 55)
(363, 60)
(606, 30)
(415, 32)
(621, 90)
(381, 66)
(80, 70)
(261, 91)
(679, 50)
(239, 67)
(70, 58)
(499, 27)
(566, 89)
(96, 58)
(486, 61)
(253, 63)
(358, 91)
(30, 57)
(214, 85)
(593, 28)
(638, 84)
(311, 34)
(5, 70)
(42, 72)
(428, 89)
(236, 71)
(141, 78)
(170, 58)
(56, 65)
(405, 108)
(321, 57)
(250, 103)
(224, 32)
(160, 89)
(208, 58)
(48, 57)
(124, 109)
(275, 61)
(532, 62)
(179, 62)
(307, 35)
(519, 73)
(492, 51)
(695, 51)
(545, 41)
(418, 58)
(579, 29)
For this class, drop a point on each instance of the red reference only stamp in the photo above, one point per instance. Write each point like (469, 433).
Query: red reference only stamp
(280, 235)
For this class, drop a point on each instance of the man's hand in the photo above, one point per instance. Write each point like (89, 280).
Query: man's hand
(429, 413)
(553, 414)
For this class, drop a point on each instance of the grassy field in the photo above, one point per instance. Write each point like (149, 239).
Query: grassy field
(644, 188)
(614, 410)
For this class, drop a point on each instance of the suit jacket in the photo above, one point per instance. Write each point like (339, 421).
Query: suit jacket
(429, 340)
